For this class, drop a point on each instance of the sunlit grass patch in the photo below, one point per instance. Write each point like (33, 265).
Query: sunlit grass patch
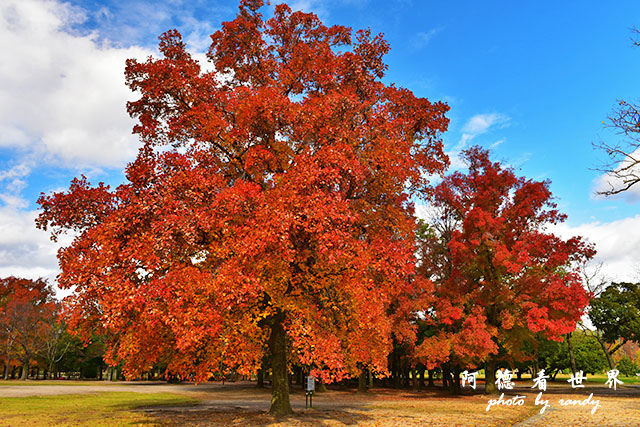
(56, 382)
(100, 409)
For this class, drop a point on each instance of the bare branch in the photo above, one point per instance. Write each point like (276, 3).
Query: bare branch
(623, 163)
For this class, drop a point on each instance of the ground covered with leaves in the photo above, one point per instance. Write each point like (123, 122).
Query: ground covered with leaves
(401, 408)
(242, 404)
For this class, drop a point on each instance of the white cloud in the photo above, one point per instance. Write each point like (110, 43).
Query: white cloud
(481, 124)
(617, 243)
(477, 125)
(13, 180)
(62, 95)
(608, 182)
(24, 250)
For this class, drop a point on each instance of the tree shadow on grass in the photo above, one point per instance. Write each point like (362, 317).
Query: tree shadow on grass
(236, 416)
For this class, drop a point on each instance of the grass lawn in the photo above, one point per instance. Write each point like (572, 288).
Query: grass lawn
(56, 382)
(100, 409)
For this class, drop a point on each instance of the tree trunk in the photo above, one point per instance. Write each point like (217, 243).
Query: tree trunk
(572, 358)
(25, 370)
(490, 376)
(260, 383)
(445, 376)
(362, 382)
(396, 370)
(406, 374)
(606, 351)
(431, 384)
(370, 378)
(280, 404)
(455, 383)
(416, 381)
(6, 368)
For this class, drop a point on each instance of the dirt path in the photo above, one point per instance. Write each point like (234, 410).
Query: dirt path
(34, 389)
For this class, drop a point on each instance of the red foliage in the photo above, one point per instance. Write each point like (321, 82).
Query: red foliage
(26, 309)
(276, 187)
(499, 275)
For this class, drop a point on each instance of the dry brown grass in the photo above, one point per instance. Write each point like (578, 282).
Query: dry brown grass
(404, 408)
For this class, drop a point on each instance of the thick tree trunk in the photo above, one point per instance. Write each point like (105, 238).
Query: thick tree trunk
(572, 359)
(280, 404)
(370, 376)
(431, 383)
(25, 370)
(490, 376)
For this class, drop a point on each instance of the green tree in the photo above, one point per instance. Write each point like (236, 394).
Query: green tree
(628, 367)
(616, 315)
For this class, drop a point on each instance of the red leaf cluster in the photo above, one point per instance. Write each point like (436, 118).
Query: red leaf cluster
(499, 275)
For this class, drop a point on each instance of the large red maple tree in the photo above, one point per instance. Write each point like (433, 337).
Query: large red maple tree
(267, 213)
(500, 275)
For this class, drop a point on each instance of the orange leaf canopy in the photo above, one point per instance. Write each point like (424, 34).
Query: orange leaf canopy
(274, 188)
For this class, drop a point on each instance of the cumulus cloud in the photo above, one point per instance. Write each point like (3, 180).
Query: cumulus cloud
(62, 94)
(24, 250)
(617, 243)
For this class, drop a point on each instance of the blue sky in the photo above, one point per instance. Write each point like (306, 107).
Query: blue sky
(531, 81)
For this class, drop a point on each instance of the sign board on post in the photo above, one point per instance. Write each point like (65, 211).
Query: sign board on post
(311, 384)
(309, 387)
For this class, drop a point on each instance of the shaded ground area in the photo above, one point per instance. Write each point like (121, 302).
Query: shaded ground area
(242, 404)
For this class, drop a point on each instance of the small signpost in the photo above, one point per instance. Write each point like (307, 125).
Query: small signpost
(309, 387)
